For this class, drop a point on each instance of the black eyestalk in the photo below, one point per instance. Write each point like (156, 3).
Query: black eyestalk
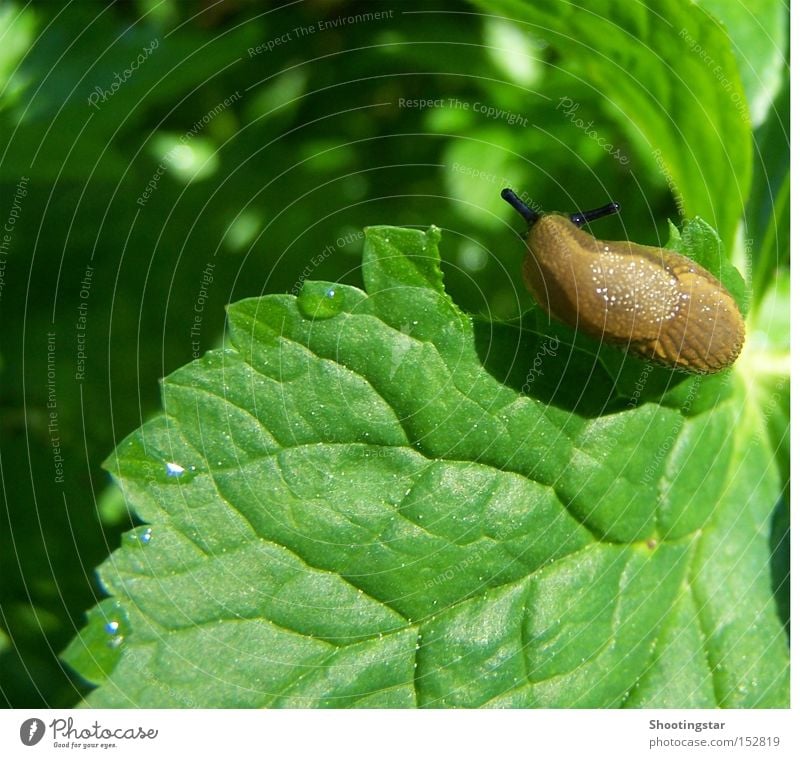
(579, 219)
(530, 215)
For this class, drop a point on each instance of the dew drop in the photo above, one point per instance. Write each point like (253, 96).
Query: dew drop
(111, 627)
(141, 535)
(319, 300)
(174, 469)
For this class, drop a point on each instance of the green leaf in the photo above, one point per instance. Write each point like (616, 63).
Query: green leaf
(757, 29)
(354, 503)
(96, 650)
(698, 241)
(672, 80)
(768, 212)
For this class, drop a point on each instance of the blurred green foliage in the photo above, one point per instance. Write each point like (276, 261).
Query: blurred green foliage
(259, 142)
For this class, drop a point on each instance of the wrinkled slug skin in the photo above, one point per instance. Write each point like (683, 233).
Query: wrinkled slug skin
(657, 303)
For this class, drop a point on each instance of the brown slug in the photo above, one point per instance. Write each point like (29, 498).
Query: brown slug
(659, 304)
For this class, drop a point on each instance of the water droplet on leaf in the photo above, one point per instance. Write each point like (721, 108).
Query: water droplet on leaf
(319, 300)
(174, 469)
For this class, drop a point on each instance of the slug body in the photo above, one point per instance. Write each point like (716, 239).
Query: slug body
(657, 303)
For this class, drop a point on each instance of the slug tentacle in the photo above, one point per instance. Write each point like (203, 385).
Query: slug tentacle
(583, 217)
(657, 303)
(511, 197)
